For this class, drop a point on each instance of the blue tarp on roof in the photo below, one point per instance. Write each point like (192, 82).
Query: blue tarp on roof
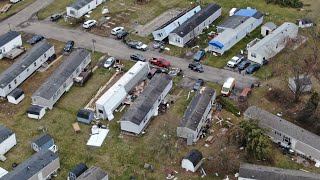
(246, 12)
(216, 43)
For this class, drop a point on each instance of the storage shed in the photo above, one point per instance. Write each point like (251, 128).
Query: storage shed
(192, 161)
(305, 23)
(85, 116)
(7, 139)
(82, 7)
(24, 67)
(62, 79)
(40, 166)
(3, 172)
(138, 116)
(44, 141)
(301, 84)
(267, 28)
(36, 112)
(8, 41)
(115, 95)
(77, 171)
(194, 25)
(93, 173)
(16, 96)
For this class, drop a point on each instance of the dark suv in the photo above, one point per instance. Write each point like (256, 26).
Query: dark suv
(122, 34)
(196, 66)
(68, 46)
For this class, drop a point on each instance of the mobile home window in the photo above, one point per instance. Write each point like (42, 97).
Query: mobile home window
(9, 86)
(64, 85)
(45, 55)
(35, 64)
(15, 81)
(100, 111)
(253, 55)
(89, 6)
(77, 71)
(72, 12)
(28, 70)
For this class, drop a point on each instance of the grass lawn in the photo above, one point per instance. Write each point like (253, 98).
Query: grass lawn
(14, 8)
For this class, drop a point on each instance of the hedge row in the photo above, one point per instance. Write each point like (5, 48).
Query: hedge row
(228, 105)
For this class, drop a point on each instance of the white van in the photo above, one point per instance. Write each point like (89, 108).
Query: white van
(116, 30)
(228, 86)
(14, 1)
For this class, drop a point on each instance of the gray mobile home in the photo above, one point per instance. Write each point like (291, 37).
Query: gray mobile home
(93, 173)
(136, 119)
(196, 115)
(77, 171)
(163, 31)
(195, 25)
(253, 172)
(273, 43)
(62, 79)
(24, 67)
(234, 29)
(40, 166)
(286, 133)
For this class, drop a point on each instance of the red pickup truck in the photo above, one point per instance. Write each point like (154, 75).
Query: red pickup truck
(160, 62)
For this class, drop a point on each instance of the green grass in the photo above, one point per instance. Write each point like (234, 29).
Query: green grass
(14, 8)
(58, 7)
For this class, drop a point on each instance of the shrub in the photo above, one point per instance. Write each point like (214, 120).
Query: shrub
(287, 3)
(229, 106)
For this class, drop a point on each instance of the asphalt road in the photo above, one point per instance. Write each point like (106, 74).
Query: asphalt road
(21, 22)
(118, 49)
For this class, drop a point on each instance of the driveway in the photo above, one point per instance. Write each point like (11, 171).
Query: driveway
(118, 49)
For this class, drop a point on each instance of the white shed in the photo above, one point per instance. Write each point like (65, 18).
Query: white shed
(115, 95)
(267, 28)
(7, 139)
(36, 112)
(16, 96)
(192, 161)
(82, 7)
(9, 41)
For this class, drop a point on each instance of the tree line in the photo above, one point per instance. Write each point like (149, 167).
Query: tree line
(287, 3)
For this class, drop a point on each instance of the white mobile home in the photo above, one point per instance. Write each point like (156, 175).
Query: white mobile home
(163, 31)
(7, 139)
(62, 79)
(111, 99)
(9, 41)
(24, 67)
(196, 115)
(40, 166)
(93, 173)
(136, 119)
(234, 29)
(286, 133)
(195, 25)
(273, 43)
(82, 7)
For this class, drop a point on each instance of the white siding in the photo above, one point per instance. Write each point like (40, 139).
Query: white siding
(7, 144)
(78, 13)
(10, 45)
(26, 73)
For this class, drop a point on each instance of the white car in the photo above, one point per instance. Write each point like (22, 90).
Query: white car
(235, 60)
(109, 62)
(141, 46)
(116, 30)
(89, 23)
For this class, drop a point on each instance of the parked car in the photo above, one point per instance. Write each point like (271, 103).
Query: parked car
(116, 30)
(235, 60)
(157, 44)
(196, 66)
(227, 87)
(138, 57)
(109, 62)
(199, 55)
(89, 23)
(244, 94)
(160, 62)
(137, 45)
(55, 17)
(198, 84)
(35, 39)
(122, 34)
(51, 58)
(252, 68)
(68, 46)
(243, 65)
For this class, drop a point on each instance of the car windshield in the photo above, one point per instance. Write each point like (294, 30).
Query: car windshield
(140, 44)
(233, 60)
(109, 60)
(35, 37)
(224, 89)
